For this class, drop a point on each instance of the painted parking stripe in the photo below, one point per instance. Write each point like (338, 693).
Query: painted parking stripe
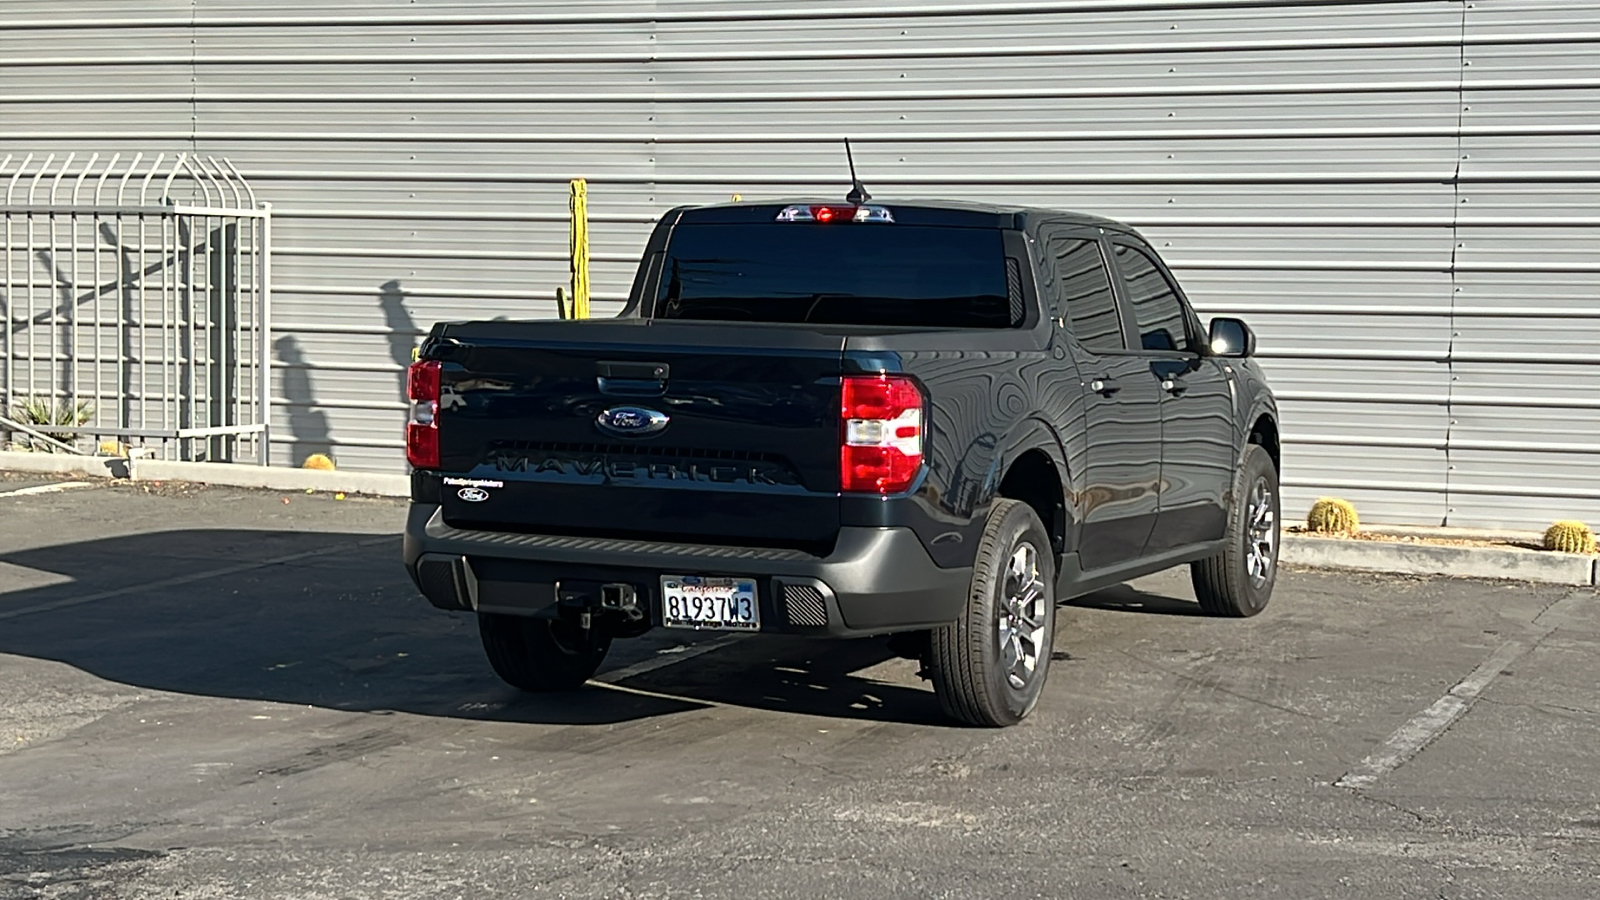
(1412, 737)
(666, 658)
(46, 489)
(198, 576)
(1409, 739)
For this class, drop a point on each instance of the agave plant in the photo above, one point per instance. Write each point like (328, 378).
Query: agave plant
(42, 413)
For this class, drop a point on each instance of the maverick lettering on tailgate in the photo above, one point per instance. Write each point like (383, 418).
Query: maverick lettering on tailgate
(599, 468)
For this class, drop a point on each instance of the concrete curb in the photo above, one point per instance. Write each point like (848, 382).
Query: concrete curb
(64, 464)
(275, 478)
(231, 474)
(1373, 556)
(1435, 559)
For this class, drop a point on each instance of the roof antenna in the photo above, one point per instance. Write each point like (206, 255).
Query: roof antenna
(858, 191)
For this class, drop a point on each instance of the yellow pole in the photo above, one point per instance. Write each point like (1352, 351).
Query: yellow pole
(580, 248)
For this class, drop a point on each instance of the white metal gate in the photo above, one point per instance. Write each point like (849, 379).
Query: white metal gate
(136, 306)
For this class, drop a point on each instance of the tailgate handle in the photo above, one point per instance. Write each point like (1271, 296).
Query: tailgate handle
(636, 379)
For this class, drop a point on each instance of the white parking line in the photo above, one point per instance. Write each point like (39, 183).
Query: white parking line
(198, 576)
(664, 658)
(1409, 739)
(46, 489)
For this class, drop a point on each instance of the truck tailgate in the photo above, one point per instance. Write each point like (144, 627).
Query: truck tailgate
(556, 427)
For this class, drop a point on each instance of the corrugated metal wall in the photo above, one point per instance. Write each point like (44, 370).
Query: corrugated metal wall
(1403, 197)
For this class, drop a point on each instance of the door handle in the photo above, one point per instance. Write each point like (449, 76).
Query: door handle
(1104, 386)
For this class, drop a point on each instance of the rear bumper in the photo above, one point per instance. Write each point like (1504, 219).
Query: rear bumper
(876, 580)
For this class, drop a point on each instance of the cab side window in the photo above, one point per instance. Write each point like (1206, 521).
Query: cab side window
(1156, 309)
(1085, 291)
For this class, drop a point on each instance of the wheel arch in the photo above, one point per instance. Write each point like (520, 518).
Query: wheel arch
(1033, 470)
(1032, 478)
(1264, 433)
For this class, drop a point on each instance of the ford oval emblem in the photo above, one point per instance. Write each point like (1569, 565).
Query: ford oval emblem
(631, 421)
(473, 495)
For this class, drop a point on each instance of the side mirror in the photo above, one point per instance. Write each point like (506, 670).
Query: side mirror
(1232, 337)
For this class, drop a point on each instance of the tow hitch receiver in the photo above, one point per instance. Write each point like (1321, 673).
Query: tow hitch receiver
(620, 598)
(617, 605)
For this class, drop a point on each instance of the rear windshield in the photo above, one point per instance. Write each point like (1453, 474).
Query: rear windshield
(842, 273)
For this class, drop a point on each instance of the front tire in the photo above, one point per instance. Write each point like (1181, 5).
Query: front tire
(989, 666)
(1237, 582)
(538, 654)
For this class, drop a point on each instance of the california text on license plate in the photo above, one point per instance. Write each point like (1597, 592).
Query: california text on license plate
(717, 604)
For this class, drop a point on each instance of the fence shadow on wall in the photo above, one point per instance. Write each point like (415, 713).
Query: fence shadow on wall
(309, 427)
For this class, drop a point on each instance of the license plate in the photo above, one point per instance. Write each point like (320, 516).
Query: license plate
(713, 604)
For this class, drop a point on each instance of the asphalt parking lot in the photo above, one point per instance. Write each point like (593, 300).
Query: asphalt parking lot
(214, 693)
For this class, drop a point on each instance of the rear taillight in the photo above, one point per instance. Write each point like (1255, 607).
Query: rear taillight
(880, 434)
(422, 432)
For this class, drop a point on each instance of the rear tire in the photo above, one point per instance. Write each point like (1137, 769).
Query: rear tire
(538, 655)
(989, 667)
(1237, 582)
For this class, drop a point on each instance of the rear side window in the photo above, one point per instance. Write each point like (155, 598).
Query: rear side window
(840, 274)
(1156, 308)
(1085, 289)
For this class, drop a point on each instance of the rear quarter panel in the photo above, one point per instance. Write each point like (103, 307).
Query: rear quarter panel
(993, 396)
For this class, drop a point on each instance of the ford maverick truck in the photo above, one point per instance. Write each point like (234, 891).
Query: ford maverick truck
(929, 420)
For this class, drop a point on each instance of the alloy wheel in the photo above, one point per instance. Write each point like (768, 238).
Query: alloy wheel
(1262, 525)
(1021, 616)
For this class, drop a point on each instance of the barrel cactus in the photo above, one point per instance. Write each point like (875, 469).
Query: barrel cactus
(318, 461)
(1333, 516)
(1569, 537)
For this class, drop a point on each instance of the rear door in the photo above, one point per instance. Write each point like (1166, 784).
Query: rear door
(629, 428)
(1122, 406)
(1197, 420)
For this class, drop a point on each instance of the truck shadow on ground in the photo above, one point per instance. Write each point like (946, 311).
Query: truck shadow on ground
(1126, 598)
(331, 620)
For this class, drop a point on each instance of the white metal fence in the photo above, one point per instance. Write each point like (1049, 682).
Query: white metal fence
(135, 306)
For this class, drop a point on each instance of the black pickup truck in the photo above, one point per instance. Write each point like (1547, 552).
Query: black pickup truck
(930, 420)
